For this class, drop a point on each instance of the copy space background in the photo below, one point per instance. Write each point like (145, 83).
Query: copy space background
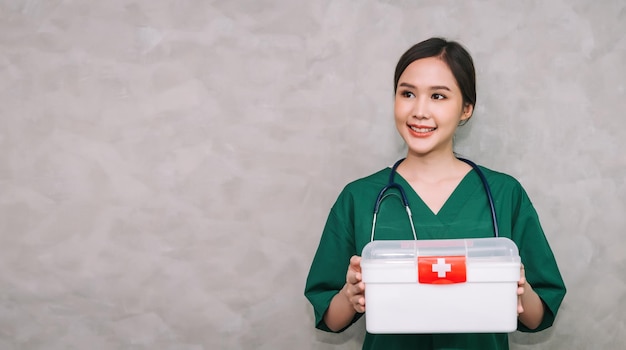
(166, 167)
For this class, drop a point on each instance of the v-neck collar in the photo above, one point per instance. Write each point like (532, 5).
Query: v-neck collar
(453, 204)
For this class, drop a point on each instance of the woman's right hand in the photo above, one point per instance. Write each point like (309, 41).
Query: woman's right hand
(354, 289)
(349, 300)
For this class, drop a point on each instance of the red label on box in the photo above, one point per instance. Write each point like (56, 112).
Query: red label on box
(441, 269)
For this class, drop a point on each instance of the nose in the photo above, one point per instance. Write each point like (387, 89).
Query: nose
(420, 109)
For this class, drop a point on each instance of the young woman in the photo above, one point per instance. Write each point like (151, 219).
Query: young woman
(435, 92)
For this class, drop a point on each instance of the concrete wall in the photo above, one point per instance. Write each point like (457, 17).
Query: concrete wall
(166, 167)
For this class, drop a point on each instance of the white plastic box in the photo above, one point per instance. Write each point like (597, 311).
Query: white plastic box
(441, 286)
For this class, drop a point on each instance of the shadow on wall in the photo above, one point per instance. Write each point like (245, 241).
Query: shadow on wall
(355, 333)
(531, 338)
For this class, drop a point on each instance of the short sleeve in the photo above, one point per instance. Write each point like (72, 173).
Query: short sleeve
(540, 265)
(327, 274)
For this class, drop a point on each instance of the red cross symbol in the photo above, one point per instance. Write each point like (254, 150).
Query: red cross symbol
(441, 269)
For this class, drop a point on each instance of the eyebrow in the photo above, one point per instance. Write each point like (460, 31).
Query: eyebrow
(435, 87)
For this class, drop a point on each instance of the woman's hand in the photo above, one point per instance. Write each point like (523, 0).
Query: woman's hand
(354, 289)
(530, 308)
(349, 300)
(521, 288)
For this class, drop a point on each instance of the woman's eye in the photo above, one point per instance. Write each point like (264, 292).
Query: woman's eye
(407, 94)
(438, 97)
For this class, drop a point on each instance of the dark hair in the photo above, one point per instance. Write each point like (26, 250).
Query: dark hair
(453, 54)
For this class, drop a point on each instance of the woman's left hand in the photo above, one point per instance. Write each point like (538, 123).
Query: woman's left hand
(521, 287)
(530, 308)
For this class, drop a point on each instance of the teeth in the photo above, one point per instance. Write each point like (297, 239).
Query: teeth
(422, 129)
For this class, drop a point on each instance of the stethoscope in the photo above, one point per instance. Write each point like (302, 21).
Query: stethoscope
(392, 184)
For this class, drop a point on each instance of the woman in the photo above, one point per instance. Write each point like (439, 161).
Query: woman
(435, 92)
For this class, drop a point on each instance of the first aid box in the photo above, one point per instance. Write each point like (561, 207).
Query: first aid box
(441, 286)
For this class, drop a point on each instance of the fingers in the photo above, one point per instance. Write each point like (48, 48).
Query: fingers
(355, 263)
(520, 308)
(520, 289)
(354, 270)
(355, 288)
(357, 299)
(520, 292)
(360, 307)
(353, 277)
(522, 280)
(355, 293)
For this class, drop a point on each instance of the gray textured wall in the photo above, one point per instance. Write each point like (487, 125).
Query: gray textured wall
(166, 167)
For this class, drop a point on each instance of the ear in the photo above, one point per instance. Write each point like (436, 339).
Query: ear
(468, 110)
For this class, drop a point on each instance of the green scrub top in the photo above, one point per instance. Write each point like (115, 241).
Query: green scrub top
(465, 214)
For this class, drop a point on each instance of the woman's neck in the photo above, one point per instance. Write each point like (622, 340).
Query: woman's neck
(432, 168)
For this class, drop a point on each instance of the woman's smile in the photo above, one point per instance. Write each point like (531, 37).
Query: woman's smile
(421, 130)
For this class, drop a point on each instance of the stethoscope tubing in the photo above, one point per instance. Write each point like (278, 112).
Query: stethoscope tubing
(391, 184)
(492, 207)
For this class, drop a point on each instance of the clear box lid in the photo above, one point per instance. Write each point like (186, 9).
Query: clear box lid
(441, 261)
(492, 249)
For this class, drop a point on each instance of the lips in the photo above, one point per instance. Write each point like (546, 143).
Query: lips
(422, 129)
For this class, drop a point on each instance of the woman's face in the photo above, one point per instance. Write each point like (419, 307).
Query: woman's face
(429, 107)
